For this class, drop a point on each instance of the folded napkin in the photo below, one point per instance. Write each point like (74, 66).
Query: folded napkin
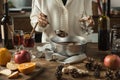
(51, 55)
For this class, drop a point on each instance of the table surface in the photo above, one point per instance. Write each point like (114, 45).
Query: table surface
(50, 66)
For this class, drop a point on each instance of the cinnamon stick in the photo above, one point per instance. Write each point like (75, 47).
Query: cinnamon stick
(33, 30)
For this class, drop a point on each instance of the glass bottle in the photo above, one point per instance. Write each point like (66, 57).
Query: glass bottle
(7, 28)
(104, 29)
(115, 39)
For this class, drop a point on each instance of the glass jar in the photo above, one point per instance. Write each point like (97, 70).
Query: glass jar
(115, 39)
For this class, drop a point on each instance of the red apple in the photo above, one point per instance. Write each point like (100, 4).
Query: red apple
(112, 61)
(22, 56)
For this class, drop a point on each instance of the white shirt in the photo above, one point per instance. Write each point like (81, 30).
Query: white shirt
(59, 16)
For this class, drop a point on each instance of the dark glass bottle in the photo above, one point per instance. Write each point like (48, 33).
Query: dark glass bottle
(104, 29)
(7, 28)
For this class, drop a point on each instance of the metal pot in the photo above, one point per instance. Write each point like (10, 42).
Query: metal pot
(69, 46)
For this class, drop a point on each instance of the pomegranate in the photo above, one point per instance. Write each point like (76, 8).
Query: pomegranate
(112, 61)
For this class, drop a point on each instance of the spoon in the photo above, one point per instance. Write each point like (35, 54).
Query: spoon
(33, 30)
(61, 33)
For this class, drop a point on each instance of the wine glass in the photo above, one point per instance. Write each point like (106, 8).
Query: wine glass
(29, 42)
(18, 39)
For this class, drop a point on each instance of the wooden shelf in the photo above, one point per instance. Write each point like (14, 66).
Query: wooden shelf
(20, 14)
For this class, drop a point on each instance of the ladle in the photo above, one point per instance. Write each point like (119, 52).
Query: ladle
(61, 33)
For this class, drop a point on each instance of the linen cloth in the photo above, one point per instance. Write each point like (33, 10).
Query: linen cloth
(49, 55)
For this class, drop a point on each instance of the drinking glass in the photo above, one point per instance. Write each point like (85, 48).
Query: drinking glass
(29, 42)
(18, 39)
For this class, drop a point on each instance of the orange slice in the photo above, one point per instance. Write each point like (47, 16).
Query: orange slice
(14, 75)
(26, 36)
(26, 68)
(12, 65)
(5, 72)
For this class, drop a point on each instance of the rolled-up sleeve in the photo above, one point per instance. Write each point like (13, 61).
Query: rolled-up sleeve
(88, 7)
(34, 15)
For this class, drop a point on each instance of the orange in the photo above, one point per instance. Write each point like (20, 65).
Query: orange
(26, 68)
(5, 56)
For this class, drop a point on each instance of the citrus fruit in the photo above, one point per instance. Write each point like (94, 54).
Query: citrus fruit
(26, 68)
(5, 56)
(27, 36)
(14, 75)
(12, 65)
(6, 72)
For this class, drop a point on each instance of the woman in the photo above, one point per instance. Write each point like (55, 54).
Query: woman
(63, 15)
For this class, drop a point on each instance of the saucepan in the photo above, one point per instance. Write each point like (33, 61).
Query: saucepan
(69, 45)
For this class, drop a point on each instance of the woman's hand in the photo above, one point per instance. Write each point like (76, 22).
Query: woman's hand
(88, 20)
(42, 20)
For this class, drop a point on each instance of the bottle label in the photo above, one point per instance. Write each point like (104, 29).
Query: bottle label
(10, 31)
(2, 32)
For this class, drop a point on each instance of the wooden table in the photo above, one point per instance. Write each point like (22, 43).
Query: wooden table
(50, 66)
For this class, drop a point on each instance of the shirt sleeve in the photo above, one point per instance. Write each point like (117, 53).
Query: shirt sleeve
(88, 7)
(34, 14)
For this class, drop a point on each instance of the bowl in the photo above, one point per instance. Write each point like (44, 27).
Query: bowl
(69, 46)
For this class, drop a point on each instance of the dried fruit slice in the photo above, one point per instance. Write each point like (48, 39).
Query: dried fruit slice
(14, 75)
(27, 36)
(27, 68)
(6, 72)
(12, 66)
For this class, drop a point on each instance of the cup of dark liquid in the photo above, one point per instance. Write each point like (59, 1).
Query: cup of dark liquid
(28, 41)
(18, 38)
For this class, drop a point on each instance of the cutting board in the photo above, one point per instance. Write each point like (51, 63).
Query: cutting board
(38, 70)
